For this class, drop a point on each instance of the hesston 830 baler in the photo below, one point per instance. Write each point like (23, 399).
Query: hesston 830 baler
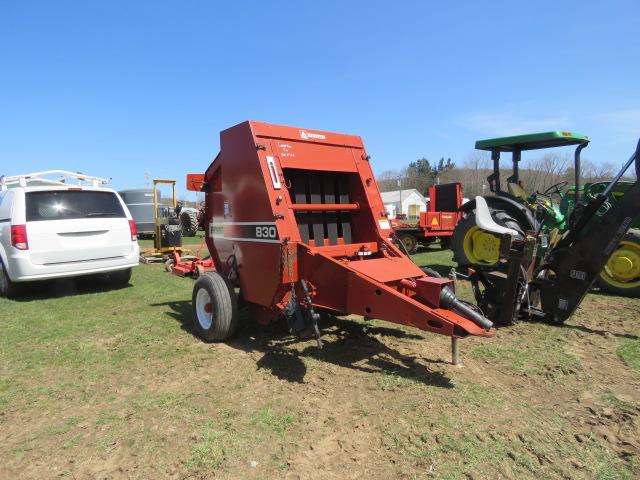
(294, 219)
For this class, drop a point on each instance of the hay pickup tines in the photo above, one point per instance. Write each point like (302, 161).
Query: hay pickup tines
(294, 218)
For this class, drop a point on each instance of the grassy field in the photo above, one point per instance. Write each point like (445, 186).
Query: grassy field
(111, 383)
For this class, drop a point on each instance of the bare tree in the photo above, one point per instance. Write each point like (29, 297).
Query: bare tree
(538, 174)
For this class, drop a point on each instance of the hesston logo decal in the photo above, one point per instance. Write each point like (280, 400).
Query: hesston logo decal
(307, 135)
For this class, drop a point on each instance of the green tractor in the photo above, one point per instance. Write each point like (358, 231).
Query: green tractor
(549, 212)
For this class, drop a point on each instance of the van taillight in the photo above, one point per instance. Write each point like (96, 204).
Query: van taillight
(19, 237)
(134, 230)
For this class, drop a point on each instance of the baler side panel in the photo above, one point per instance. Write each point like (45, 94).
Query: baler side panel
(245, 189)
(367, 191)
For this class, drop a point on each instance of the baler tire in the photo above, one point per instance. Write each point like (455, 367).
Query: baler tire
(8, 289)
(608, 284)
(409, 242)
(213, 292)
(189, 223)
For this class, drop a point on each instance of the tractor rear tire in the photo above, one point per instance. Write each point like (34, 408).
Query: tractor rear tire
(624, 287)
(189, 223)
(466, 226)
(8, 289)
(445, 243)
(409, 242)
(215, 308)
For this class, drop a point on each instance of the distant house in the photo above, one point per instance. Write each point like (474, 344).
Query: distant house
(408, 202)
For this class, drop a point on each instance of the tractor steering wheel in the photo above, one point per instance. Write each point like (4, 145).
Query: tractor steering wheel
(555, 189)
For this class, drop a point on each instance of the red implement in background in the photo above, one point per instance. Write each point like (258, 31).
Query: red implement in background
(438, 222)
(294, 218)
(189, 265)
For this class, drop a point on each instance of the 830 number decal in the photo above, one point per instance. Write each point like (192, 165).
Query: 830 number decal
(266, 232)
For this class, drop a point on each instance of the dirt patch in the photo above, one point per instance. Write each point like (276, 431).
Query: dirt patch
(141, 397)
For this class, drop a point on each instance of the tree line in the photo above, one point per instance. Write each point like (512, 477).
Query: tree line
(536, 174)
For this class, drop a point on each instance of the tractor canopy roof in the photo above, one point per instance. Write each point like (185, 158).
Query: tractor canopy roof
(532, 141)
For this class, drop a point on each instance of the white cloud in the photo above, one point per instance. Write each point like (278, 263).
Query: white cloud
(505, 124)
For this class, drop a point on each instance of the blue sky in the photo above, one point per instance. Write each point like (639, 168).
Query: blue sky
(121, 88)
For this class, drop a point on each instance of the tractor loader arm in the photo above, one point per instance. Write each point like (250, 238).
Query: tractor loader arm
(569, 269)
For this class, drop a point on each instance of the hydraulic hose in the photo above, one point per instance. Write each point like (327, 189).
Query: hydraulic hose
(449, 301)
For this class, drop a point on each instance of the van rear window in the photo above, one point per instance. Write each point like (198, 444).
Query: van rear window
(69, 204)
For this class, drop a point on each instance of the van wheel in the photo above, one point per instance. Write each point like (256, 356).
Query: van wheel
(8, 289)
(215, 308)
(121, 277)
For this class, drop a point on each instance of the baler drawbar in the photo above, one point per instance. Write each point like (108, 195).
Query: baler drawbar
(294, 219)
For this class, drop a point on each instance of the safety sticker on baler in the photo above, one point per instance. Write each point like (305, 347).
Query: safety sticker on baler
(245, 231)
(384, 224)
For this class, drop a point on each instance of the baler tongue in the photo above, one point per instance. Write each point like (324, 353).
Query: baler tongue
(295, 219)
(396, 290)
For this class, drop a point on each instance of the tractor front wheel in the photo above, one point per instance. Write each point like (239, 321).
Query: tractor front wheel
(215, 308)
(409, 242)
(621, 274)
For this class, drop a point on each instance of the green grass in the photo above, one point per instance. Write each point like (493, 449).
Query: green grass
(97, 373)
(629, 352)
(433, 256)
(545, 355)
(270, 420)
(216, 444)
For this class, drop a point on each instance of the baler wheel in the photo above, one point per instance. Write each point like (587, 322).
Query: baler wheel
(168, 265)
(215, 308)
(409, 242)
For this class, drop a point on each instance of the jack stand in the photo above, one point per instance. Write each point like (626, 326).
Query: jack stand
(455, 351)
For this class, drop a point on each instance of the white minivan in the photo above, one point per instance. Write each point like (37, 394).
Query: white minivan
(52, 231)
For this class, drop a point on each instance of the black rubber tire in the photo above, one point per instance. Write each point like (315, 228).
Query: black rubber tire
(632, 235)
(410, 242)
(168, 265)
(445, 243)
(189, 223)
(120, 277)
(224, 308)
(467, 223)
(431, 272)
(8, 289)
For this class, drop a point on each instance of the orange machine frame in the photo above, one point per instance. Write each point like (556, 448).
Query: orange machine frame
(296, 213)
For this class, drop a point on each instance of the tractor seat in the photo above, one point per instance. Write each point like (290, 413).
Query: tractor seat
(517, 191)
